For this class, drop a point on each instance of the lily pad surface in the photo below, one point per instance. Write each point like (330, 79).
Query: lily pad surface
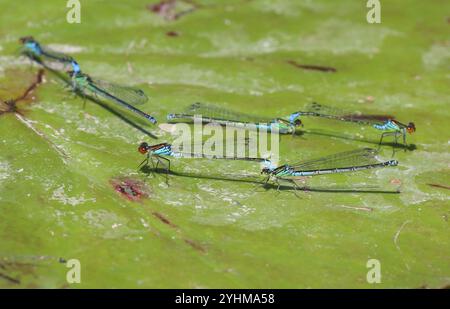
(69, 183)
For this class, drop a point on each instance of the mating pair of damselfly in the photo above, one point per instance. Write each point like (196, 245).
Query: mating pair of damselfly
(213, 114)
(82, 83)
(350, 161)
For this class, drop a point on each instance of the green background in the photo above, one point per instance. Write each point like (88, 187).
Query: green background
(206, 229)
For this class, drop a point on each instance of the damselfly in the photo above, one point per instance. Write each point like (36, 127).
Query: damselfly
(161, 151)
(124, 96)
(34, 50)
(388, 125)
(351, 161)
(214, 114)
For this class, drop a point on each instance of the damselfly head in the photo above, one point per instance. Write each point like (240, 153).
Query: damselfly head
(26, 39)
(31, 45)
(298, 123)
(411, 127)
(266, 170)
(143, 148)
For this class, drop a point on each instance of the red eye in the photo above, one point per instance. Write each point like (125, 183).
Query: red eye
(143, 148)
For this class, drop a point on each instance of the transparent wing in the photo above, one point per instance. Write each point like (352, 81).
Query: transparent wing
(200, 149)
(223, 157)
(55, 55)
(359, 157)
(128, 94)
(212, 111)
(189, 146)
(320, 110)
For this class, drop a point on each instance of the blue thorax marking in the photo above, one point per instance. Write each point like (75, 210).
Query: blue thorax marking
(281, 170)
(75, 66)
(387, 125)
(165, 151)
(293, 116)
(34, 47)
(268, 164)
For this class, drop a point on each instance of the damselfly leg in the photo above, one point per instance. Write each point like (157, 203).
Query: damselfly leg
(145, 161)
(295, 186)
(404, 138)
(96, 97)
(84, 102)
(69, 93)
(389, 134)
(396, 143)
(166, 166)
(264, 184)
(303, 181)
(31, 63)
(277, 182)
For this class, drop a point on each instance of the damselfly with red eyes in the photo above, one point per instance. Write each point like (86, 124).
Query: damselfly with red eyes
(387, 124)
(161, 152)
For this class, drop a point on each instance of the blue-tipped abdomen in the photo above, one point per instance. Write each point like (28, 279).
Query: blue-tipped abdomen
(152, 119)
(392, 162)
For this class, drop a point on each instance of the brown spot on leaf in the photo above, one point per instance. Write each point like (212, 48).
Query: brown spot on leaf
(162, 7)
(312, 67)
(172, 33)
(438, 186)
(396, 181)
(131, 189)
(195, 245)
(171, 9)
(163, 219)
(10, 106)
(370, 99)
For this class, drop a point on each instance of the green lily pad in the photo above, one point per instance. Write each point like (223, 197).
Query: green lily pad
(70, 187)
